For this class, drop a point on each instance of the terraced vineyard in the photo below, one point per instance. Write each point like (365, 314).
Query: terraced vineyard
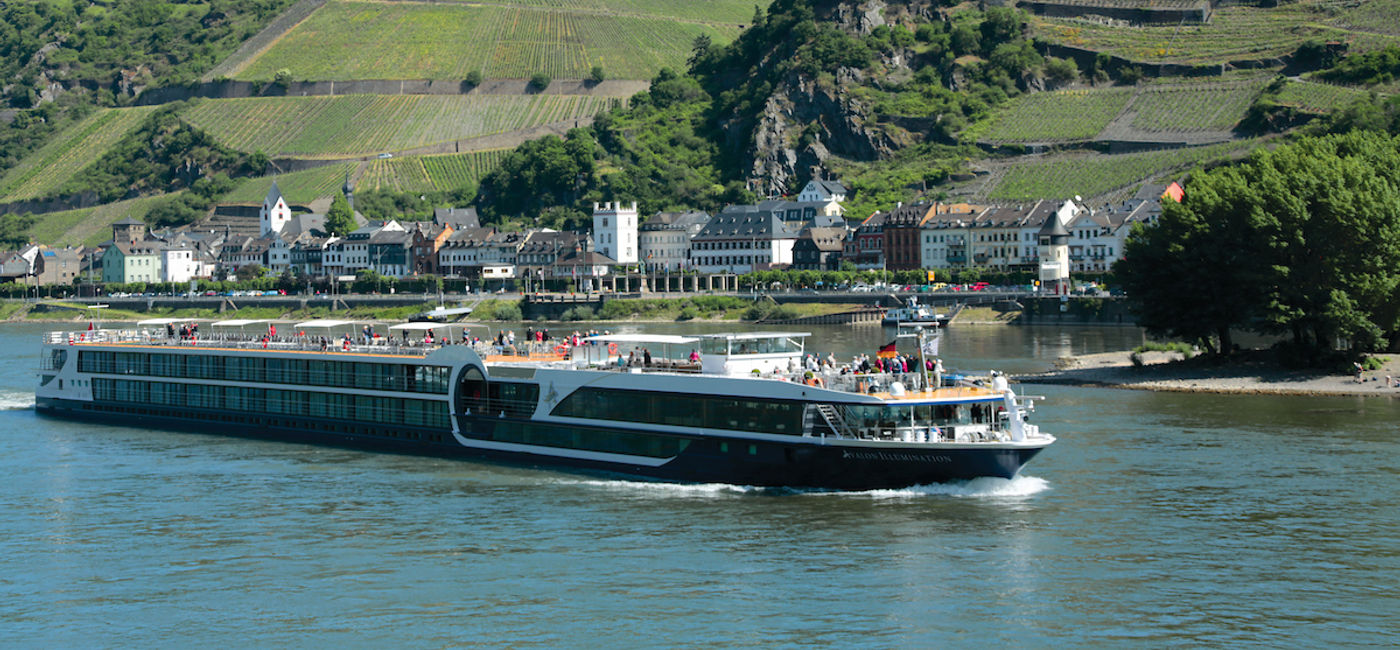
(1371, 15)
(1056, 116)
(348, 39)
(430, 173)
(1319, 97)
(1234, 33)
(43, 172)
(724, 12)
(91, 226)
(366, 124)
(1092, 175)
(1194, 107)
(301, 187)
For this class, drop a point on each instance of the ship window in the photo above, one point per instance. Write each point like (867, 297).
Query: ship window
(760, 416)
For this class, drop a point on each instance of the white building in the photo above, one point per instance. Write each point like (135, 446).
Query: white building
(275, 213)
(178, 264)
(740, 240)
(823, 191)
(1053, 247)
(615, 231)
(664, 240)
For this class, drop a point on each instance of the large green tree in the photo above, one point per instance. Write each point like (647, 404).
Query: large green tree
(1195, 274)
(339, 220)
(1303, 240)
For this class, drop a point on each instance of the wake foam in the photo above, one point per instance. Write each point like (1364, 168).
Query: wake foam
(14, 401)
(1021, 486)
(678, 489)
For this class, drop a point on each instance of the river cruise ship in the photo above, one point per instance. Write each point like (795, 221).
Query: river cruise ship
(716, 408)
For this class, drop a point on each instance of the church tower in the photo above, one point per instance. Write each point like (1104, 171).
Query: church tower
(275, 213)
(349, 190)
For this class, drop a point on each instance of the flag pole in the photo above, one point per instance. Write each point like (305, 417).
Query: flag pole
(923, 361)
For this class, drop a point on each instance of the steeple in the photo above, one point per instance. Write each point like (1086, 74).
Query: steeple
(349, 190)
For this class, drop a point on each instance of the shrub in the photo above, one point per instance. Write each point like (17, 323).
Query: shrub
(581, 312)
(508, 311)
(688, 312)
(539, 82)
(1185, 349)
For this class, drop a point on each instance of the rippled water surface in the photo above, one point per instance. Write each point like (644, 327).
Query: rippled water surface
(1156, 519)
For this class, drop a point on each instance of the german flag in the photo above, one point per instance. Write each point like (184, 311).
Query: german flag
(888, 351)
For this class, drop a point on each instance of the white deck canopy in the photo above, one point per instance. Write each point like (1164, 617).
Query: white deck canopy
(164, 321)
(239, 322)
(418, 327)
(657, 339)
(326, 322)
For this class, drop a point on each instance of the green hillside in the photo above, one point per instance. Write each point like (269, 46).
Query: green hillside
(1233, 33)
(91, 226)
(349, 39)
(1319, 97)
(312, 127)
(1093, 175)
(430, 173)
(299, 187)
(1196, 106)
(1078, 114)
(43, 172)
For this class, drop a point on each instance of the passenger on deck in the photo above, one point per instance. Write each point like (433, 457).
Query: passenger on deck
(694, 356)
(646, 357)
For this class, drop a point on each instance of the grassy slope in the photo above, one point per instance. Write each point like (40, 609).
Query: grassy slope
(1092, 175)
(300, 187)
(1195, 106)
(44, 171)
(377, 40)
(430, 173)
(1319, 97)
(90, 226)
(1054, 116)
(365, 124)
(1234, 33)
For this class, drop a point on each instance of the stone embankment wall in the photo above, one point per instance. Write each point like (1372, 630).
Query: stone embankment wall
(1194, 13)
(1075, 311)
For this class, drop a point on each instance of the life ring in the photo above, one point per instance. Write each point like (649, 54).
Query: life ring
(612, 348)
(561, 349)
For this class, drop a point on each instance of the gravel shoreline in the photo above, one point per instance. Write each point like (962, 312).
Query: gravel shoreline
(1165, 371)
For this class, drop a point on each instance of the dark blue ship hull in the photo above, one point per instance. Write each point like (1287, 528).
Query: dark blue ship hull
(802, 463)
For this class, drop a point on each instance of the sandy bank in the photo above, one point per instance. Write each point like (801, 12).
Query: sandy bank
(1163, 371)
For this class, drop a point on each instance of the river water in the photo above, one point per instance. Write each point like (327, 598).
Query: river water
(1156, 519)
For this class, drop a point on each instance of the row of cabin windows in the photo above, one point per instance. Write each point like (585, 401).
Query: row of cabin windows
(340, 374)
(332, 426)
(365, 408)
(679, 409)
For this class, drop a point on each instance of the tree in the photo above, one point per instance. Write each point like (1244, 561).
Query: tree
(596, 75)
(1303, 240)
(339, 219)
(539, 82)
(474, 78)
(249, 272)
(282, 77)
(1061, 72)
(1196, 273)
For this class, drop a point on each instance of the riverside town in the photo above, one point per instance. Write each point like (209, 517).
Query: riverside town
(675, 323)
